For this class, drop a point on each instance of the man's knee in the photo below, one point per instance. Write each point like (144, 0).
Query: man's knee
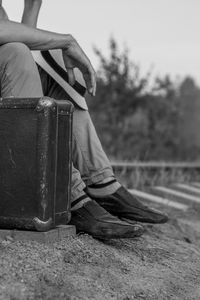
(16, 47)
(17, 54)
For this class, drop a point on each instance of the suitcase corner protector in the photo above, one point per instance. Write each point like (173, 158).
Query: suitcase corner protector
(46, 102)
(42, 225)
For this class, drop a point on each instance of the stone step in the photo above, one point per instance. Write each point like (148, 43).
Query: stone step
(53, 235)
(188, 189)
(176, 195)
(160, 200)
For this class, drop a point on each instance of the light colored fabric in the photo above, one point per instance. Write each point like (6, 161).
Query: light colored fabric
(19, 76)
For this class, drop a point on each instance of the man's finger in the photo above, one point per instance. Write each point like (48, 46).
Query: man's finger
(90, 80)
(94, 85)
(71, 76)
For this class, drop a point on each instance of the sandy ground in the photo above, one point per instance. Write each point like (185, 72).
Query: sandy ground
(162, 264)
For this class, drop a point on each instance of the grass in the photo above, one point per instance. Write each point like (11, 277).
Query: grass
(140, 177)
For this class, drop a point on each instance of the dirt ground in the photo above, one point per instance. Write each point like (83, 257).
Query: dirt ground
(162, 264)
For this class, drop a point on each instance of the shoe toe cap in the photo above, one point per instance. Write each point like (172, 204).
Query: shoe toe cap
(158, 217)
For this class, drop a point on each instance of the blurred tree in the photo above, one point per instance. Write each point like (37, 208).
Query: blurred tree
(189, 125)
(121, 92)
(136, 121)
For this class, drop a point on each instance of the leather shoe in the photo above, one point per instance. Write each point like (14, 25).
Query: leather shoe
(126, 206)
(91, 218)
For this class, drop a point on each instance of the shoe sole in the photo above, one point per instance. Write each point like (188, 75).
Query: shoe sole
(129, 235)
(132, 221)
(121, 216)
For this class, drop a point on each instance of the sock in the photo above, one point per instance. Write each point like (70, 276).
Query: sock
(80, 201)
(106, 187)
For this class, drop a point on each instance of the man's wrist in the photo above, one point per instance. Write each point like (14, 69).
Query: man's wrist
(68, 41)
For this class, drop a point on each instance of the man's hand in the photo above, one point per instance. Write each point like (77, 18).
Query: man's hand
(74, 57)
(37, 39)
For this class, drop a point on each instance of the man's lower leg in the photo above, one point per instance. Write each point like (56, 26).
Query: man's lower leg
(91, 218)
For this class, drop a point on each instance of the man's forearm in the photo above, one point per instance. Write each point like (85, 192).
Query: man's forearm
(31, 11)
(35, 39)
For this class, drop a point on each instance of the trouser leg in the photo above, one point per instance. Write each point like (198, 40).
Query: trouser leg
(19, 75)
(77, 184)
(88, 155)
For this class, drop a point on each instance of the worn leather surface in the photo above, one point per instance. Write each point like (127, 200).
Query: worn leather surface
(35, 151)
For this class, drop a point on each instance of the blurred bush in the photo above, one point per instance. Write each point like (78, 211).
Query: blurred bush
(139, 120)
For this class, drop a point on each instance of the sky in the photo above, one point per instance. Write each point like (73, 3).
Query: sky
(160, 34)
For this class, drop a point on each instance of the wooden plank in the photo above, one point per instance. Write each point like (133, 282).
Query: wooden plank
(157, 199)
(188, 188)
(154, 164)
(197, 184)
(176, 193)
(53, 235)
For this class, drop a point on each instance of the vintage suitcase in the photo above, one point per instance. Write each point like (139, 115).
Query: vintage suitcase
(35, 163)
